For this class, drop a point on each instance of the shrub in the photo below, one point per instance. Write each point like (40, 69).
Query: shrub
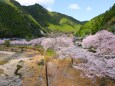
(7, 43)
(50, 52)
(41, 62)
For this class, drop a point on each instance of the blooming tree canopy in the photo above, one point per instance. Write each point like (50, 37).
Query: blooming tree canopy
(103, 41)
(19, 42)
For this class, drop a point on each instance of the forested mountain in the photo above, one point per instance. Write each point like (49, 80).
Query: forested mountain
(32, 21)
(103, 21)
(53, 21)
(15, 22)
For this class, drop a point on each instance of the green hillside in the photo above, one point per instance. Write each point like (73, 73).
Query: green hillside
(15, 22)
(33, 21)
(103, 21)
(53, 21)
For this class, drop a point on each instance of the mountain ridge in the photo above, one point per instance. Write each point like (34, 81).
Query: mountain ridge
(52, 20)
(32, 21)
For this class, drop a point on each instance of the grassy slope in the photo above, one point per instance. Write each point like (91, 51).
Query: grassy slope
(64, 23)
(103, 21)
(53, 21)
(15, 22)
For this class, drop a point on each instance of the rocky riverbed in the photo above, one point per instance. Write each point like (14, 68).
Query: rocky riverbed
(26, 69)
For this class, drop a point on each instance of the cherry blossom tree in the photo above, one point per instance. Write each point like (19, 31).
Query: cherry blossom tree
(90, 41)
(36, 41)
(48, 43)
(103, 41)
(19, 42)
(57, 43)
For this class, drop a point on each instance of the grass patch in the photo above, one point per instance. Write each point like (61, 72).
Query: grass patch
(50, 52)
(41, 62)
(92, 50)
(3, 62)
(1, 71)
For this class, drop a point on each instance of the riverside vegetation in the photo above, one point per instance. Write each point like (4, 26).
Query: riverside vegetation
(60, 57)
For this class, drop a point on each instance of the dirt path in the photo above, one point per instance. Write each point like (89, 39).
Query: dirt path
(61, 73)
(34, 74)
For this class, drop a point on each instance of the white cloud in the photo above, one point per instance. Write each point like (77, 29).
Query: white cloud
(74, 6)
(88, 8)
(49, 9)
(31, 2)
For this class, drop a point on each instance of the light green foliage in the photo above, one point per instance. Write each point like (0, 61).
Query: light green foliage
(66, 28)
(103, 21)
(66, 21)
(50, 52)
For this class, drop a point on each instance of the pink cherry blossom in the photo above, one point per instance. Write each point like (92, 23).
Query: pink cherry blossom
(48, 43)
(36, 41)
(2, 41)
(19, 42)
(103, 41)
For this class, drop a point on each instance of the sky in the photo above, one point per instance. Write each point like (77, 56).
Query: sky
(79, 9)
